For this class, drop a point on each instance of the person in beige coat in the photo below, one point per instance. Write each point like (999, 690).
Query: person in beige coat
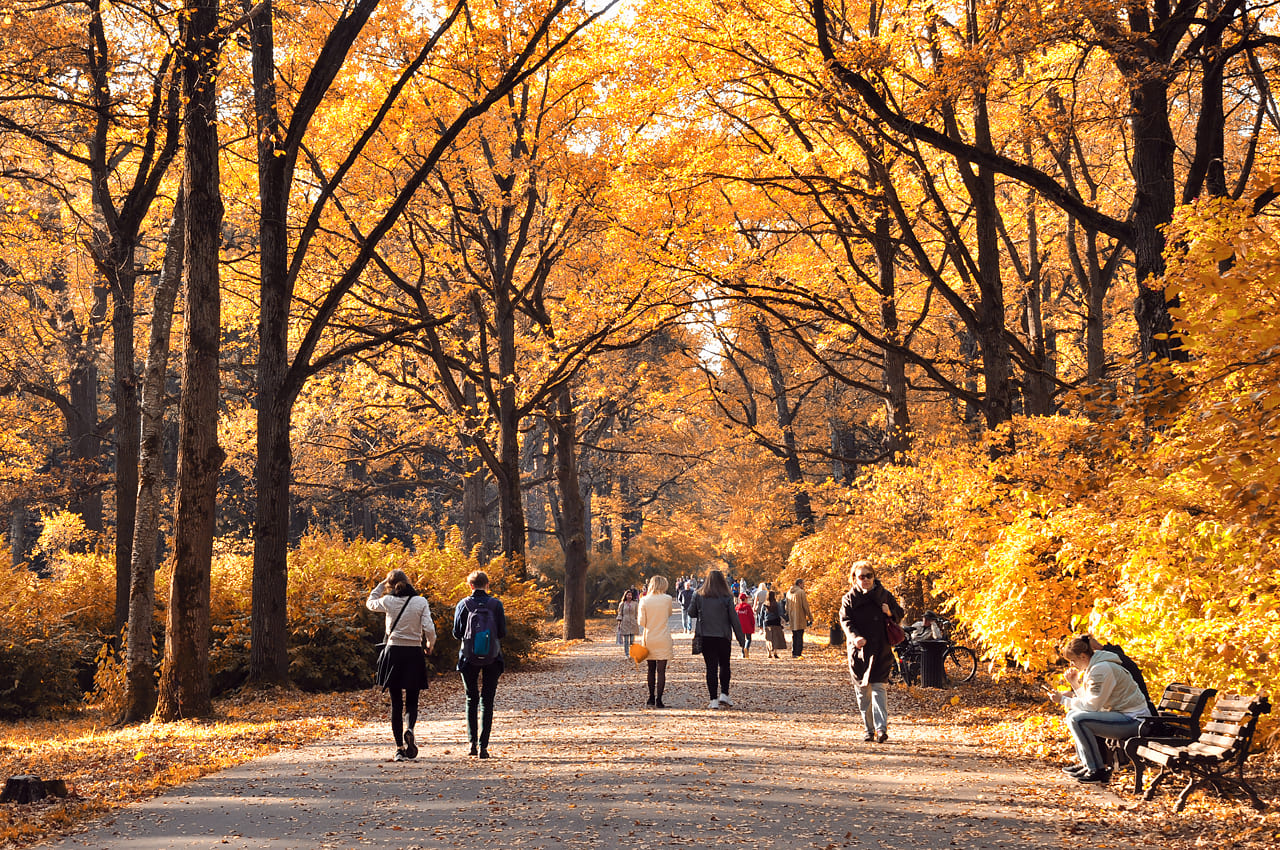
(799, 616)
(654, 617)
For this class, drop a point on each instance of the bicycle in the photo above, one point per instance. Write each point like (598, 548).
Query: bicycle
(959, 663)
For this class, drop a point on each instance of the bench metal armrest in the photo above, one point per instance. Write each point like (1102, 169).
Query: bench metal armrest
(1167, 727)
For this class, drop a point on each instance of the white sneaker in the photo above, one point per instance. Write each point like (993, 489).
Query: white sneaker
(715, 703)
(725, 701)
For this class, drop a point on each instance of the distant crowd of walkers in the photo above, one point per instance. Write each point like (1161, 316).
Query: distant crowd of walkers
(1107, 698)
(715, 611)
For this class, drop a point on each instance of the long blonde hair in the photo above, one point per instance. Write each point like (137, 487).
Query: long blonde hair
(657, 584)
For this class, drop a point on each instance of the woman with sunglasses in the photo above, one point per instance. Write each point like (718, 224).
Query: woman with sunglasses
(863, 613)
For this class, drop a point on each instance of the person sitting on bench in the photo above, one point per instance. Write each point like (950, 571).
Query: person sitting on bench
(1105, 702)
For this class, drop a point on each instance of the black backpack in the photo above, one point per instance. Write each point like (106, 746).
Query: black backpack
(480, 640)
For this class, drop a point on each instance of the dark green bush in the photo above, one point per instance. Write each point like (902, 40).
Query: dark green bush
(39, 667)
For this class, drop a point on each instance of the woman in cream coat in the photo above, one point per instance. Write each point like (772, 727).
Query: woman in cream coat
(656, 608)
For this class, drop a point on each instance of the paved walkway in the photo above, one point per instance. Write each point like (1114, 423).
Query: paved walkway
(578, 764)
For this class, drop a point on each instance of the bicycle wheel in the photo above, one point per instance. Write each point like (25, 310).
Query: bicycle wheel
(960, 664)
(898, 672)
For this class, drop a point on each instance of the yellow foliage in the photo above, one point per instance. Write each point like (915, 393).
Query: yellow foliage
(1150, 525)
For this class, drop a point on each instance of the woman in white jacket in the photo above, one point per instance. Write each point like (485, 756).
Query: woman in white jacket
(410, 636)
(1105, 702)
(656, 608)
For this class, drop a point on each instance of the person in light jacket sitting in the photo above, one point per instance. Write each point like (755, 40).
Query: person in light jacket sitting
(1105, 702)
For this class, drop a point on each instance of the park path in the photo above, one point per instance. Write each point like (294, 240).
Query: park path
(578, 764)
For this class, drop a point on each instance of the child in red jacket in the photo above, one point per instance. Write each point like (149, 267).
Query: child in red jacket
(747, 617)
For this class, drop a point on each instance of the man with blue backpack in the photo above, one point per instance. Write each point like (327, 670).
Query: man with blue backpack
(480, 623)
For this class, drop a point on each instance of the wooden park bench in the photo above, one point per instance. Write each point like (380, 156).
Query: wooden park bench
(1219, 750)
(1176, 721)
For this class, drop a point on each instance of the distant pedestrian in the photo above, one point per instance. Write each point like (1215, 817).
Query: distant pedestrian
(409, 632)
(656, 608)
(684, 595)
(480, 623)
(774, 637)
(799, 616)
(747, 618)
(628, 626)
(718, 623)
(758, 599)
(863, 613)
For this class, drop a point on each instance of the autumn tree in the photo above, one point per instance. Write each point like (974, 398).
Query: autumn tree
(184, 675)
(1156, 51)
(94, 87)
(516, 296)
(531, 36)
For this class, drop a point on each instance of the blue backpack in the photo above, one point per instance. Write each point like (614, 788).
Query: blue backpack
(480, 640)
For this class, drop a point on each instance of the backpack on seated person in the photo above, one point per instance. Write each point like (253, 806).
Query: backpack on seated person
(480, 640)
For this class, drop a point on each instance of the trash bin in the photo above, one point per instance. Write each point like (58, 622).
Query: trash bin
(931, 655)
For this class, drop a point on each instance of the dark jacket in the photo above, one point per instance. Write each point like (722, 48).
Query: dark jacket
(460, 621)
(862, 616)
(716, 617)
(1131, 667)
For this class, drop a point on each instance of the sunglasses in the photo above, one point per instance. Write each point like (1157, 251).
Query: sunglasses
(866, 575)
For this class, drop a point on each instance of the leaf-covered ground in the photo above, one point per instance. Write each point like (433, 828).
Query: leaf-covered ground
(578, 762)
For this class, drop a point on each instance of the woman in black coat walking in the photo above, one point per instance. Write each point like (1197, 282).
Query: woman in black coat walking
(863, 613)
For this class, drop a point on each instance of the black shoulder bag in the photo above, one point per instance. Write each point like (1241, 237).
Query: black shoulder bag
(383, 673)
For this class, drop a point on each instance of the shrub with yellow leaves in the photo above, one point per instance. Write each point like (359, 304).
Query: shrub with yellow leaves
(1151, 522)
(57, 627)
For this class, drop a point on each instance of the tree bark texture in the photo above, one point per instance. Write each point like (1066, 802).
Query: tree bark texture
(184, 677)
(897, 413)
(573, 515)
(801, 506)
(140, 687)
(268, 623)
(128, 428)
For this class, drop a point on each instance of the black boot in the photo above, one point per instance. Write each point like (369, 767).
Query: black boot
(473, 711)
(486, 723)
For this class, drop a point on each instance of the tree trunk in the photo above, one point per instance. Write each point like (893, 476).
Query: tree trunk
(897, 413)
(18, 534)
(510, 497)
(1153, 155)
(140, 687)
(268, 622)
(800, 504)
(1039, 377)
(572, 527)
(475, 511)
(990, 310)
(85, 444)
(128, 429)
(184, 678)
(269, 647)
(1095, 318)
(601, 485)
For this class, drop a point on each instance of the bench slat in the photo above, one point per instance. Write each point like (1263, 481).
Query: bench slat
(1234, 702)
(1200, 749)
(1154, 756)
(1229, 729)
(1227, 742)
(1180, 702)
